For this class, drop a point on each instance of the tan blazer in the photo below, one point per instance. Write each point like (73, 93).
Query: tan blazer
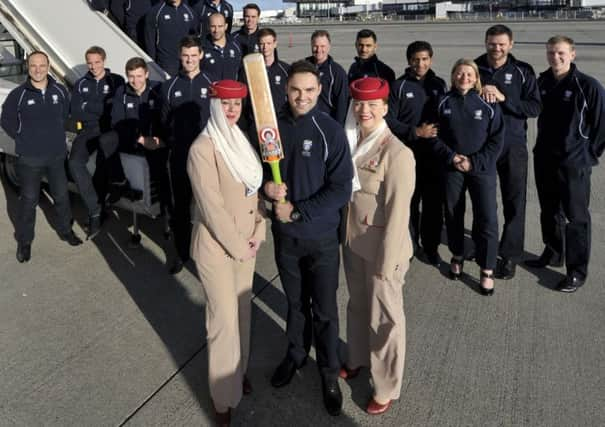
(227, 217)
(378, 215)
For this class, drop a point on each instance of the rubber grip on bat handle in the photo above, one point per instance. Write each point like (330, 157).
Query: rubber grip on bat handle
(276, 173)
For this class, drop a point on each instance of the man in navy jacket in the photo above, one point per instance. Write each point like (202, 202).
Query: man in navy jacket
(317, 171)
(512, 84)
(166, 24)
(571, 138)
(34, 115)
(222, 55)
(367, 63)
(91, 109)
(206, 8)
(411, 117)
(185, 112)
(334, 98)
(247, 36)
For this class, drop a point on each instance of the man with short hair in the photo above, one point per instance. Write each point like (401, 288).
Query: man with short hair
(135, 119)
(317, 171)
(412, 115)
(185, 112)
(277, 70)
(222, 55)
(571, 138)
(247, 36)
(165, 24)
(206, 8)
(34, 115)
(334, 98)
(367, 63)
(91, 109)
(512, 84)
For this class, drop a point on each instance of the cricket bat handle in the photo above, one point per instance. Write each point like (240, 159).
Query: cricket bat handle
(275, 172)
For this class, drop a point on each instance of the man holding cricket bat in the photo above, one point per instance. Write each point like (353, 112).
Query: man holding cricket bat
(317, 171)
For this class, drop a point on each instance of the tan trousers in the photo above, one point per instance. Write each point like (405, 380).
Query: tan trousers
(227, 286)
(375, 325)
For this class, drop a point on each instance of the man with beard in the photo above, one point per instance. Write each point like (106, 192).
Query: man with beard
(512, 84)
(367, 63)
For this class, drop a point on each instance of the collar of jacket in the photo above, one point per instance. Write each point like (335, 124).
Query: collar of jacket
(286, 113)
(549, 75)
(131, 92)
(371, 60)
(89, 76)
(30, 86)
(324, 64)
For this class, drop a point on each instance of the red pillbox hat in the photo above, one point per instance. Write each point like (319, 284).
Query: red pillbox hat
(369, 88)
(228, 89)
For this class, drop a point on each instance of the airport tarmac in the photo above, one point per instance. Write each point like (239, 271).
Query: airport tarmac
(102, 335)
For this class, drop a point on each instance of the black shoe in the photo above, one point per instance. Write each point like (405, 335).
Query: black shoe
(332, 395)
(71, 238)
(486, 291)
(547, 258)
(94, 226)
(506, 269)
(459, 264)
(569, 284)
(433, 258)
(284, 372)
(177, 266)
(24, 252)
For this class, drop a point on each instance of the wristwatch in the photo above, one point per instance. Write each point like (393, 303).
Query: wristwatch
(295, 216)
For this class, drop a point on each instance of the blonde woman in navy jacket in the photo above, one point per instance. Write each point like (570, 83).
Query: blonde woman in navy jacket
(470, 140)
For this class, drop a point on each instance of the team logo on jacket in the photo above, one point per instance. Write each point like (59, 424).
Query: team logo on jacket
(567, 95)
(85, 89)
(231, 53)
(447, 111)
(478, 115)
(151, 103)
(178, 94)
(435, 92)
(204, 92)
(277, 80)
(166, 17)
(508, 78)
(307, 145)
(186, 17)
(409, 95)
(55, 99)
(208, 55)
(31, 101)
(130, 105)
(105, 89)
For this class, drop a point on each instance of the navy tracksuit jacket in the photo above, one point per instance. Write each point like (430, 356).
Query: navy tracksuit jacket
(334, 97)
(248, 43)
(91, 100)
(36, 119)
(221, 62)
(371, 67)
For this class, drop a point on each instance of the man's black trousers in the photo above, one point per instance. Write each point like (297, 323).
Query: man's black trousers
(512, 173)
(564, 194)
(308, 270)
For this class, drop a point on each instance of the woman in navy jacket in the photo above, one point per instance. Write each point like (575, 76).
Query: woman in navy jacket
(470, 140)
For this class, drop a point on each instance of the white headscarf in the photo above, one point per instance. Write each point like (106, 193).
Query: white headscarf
(241, 159)
(357, 146)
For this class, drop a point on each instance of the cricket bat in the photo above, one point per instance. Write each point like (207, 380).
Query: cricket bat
(264, 113)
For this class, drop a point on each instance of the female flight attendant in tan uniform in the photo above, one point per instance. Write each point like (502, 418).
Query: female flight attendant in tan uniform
(225, 174)
(377, 244)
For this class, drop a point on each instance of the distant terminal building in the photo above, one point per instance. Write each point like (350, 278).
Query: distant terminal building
(327, 9)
